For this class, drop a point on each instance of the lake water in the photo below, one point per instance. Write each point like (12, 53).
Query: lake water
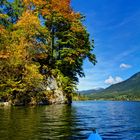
(113, 120)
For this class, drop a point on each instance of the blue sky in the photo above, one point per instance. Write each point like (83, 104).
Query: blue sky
(115, 27)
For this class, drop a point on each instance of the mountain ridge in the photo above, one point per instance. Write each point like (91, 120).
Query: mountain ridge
(125, 90)
(90, 91)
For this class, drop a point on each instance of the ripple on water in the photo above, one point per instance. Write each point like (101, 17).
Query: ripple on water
(114, 120)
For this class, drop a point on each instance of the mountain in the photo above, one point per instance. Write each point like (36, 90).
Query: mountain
(126, 90)
(90, 91)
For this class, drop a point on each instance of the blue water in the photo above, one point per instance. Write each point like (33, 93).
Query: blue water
(113, 120)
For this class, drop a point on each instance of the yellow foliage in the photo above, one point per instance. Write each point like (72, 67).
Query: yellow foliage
(29, 22)
(28, 18)
(35, 2)
(4, 42)
(59, 46)
(32, 75)
(77, 27)
(3, 16)
(39, 2)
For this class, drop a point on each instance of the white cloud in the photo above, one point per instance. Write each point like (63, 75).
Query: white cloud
(114, 80)
(125, 66)
(118, 79)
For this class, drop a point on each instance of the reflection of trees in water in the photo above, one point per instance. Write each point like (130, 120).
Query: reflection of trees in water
(45, 122)
(59, 122)
(19, 123)
(62, 122)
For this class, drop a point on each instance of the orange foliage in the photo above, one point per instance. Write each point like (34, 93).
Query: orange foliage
(60, 7)
(39, 2)
(4, 55)
(41, 55)
(3, 31)
(35, 2)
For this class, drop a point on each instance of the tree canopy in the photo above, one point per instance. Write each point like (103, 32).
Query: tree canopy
(38, 40)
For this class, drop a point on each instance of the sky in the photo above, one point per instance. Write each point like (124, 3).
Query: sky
(115, 27)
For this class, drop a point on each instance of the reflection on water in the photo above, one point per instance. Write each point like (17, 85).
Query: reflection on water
(44, 122)
(114, 120)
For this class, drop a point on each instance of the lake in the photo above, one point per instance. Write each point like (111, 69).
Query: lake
(114, 120)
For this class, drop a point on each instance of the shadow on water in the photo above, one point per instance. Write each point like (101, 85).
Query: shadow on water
(38, 123)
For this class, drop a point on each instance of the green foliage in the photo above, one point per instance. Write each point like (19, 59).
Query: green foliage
(79, 97)
(39, 40)
(126, 90)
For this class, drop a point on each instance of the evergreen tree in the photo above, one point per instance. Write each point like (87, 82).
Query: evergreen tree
(41, 40)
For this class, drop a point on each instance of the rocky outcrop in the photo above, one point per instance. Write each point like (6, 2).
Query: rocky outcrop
(48, 93)
(5, 104)
(55, 94)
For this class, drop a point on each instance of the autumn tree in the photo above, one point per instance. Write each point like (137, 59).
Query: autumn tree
(41, 40)
(20, 76)
(69, 41)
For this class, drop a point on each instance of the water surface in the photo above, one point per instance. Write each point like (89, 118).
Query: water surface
(113, 120)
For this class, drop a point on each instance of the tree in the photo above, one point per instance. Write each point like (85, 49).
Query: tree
(69, 41)
(41, 40)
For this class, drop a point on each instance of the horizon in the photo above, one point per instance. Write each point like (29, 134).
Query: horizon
(115, 27)
(112, 84)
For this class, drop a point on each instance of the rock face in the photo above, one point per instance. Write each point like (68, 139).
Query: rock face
(55, 94)
(57, 97)
(4, 103)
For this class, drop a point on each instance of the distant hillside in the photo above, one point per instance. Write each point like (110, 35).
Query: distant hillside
(90, 91)
(126, 90)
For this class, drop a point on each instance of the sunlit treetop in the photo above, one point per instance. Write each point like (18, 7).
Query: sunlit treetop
(60, 8)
